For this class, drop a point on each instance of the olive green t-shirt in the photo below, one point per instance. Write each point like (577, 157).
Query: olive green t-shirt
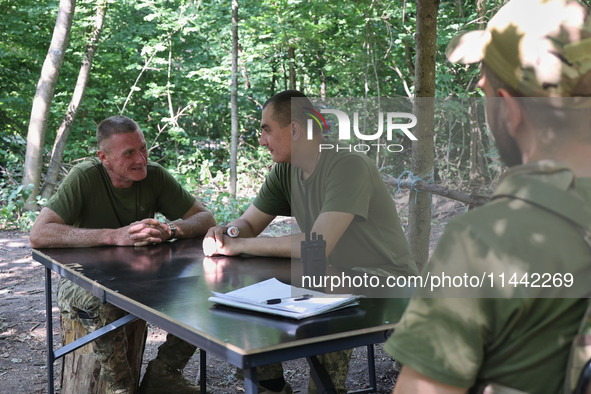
(86, 198)
(343, 182)
(518, 342)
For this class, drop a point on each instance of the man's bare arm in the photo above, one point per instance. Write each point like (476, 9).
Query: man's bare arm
(195, 222)
(411, 381)
(262, 246)
(50, 231)
(331, 225)
(252, 222)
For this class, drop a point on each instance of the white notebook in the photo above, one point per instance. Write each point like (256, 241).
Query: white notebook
(277, 298)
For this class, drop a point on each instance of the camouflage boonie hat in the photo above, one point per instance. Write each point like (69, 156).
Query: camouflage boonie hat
(541, 48)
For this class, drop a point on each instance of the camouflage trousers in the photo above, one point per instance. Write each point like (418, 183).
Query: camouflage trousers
(336, 364)
(75, 303)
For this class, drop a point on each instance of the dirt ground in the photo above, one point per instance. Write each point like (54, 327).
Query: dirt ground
(22, 327)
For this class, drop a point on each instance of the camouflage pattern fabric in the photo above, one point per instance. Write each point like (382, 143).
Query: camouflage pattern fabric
(549, 59)
(110, 349)
(336, 364)
(580, 353)
(75, 303)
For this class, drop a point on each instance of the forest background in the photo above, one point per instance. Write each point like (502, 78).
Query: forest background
(194, 75)
(173, 65)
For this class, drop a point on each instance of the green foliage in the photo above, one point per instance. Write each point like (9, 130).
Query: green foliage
(12, 194)
(224, 207)
(13, 215)
(166, 64)
(199, 175)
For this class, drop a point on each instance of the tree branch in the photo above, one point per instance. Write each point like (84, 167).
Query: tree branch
(471, 199)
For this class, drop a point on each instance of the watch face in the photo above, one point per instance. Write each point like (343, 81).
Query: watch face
(172, 228)
(232, 231)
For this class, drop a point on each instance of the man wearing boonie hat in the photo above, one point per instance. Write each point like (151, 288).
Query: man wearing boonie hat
(536, 74)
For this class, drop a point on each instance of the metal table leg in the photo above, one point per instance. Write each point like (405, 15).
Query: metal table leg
(371, 370)
(202, 370)
(321, 378)
(49, 330)
(250, 381)
(78, 343)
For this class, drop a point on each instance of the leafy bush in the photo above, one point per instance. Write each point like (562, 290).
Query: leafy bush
(12, 194)
(224, 207)
(13, 215)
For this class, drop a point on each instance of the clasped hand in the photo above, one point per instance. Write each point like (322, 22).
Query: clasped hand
(216, 242)
(148, 231)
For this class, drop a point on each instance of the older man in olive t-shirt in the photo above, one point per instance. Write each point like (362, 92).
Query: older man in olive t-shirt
(112, 201)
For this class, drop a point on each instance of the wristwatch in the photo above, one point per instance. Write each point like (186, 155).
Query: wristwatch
(172, 229)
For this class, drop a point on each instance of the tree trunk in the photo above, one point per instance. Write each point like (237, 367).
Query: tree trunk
(423, 151)
(43, 96)
(244, 71)
(481, 10)
(64, 130)
(322, 85)
(273, 78)
(407, 44)
(477, 159)
(285, 76)
(81, 369)
(234, 101)
(478, 163)
(292, 70)
(459, 8)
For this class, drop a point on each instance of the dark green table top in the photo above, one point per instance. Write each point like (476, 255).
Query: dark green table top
(168, 285)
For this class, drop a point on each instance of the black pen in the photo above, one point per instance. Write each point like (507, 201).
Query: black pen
(273, 301)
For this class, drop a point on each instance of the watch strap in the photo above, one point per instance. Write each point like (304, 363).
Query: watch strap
(172, 228)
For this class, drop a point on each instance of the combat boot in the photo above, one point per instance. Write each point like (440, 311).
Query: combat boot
(282, 389)
(124, 386)
(162, 379)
